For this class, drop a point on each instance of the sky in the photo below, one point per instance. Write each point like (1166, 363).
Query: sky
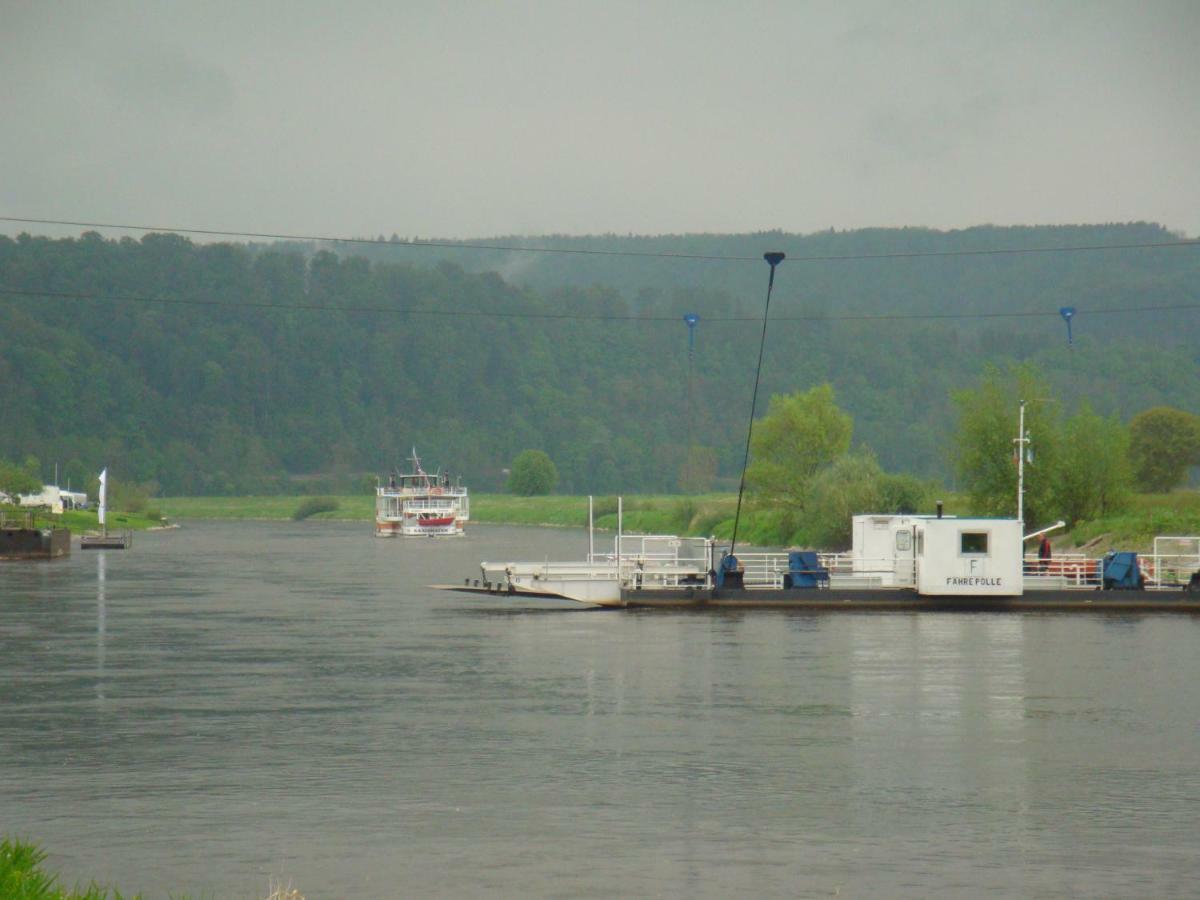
(478, 119)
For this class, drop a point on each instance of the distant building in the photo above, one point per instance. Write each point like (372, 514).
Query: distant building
(55, 499)
(74, 499)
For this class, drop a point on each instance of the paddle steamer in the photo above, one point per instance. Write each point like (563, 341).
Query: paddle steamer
(419, 503)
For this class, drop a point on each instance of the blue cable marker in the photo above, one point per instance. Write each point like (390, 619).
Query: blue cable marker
(691, 319)
(1067, 312)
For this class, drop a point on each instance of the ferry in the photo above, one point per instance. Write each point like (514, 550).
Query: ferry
(896, 562)
(931, 562)
(420, 503)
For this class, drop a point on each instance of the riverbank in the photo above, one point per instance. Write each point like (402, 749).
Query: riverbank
(81, 521)
(658, 513)
(1148, 515)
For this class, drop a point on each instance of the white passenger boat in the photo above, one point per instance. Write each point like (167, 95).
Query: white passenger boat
(419, 503)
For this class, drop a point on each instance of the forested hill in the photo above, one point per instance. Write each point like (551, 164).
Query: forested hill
(240, 380)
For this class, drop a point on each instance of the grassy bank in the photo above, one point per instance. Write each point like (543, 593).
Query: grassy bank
(645, 513)
(354, 508)
(1147, 516)
(84, 520)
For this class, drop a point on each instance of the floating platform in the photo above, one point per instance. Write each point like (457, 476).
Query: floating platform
(108, 541)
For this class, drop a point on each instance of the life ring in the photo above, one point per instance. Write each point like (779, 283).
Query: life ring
(436, 490)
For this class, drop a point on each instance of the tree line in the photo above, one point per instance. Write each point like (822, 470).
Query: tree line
(279, 368)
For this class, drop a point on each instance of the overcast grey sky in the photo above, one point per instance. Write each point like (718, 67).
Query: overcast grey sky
(470, 119)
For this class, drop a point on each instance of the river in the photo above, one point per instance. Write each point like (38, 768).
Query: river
(230, 704)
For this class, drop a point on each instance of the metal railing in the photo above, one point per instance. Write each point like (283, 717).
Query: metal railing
(1169, 567)
(1173, 562)
(15, 517)
(1069, 571)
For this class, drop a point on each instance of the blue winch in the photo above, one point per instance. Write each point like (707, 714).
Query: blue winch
(805, 570)
(1120, 570)
(729, 573)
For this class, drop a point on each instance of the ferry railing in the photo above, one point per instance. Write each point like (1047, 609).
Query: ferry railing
(29, 517)
(1067, 571)
(1169, 567)
(767, 570)
(763, 570)
(847, 570)
(448, 504)
(405, 492)
(1172, 564)
(660, 560)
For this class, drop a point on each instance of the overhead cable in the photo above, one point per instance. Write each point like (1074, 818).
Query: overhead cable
(584, 251)
(606, 317)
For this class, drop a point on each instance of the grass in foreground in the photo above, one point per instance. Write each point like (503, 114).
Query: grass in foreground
(22, 877)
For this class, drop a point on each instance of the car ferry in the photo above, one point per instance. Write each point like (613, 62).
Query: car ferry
(417, 503)
(896, 563)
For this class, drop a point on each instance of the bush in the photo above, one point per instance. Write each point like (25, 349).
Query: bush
(533, 473)
(129, 496)
(310, 506)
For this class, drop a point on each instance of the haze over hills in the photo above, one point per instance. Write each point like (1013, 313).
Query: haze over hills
(474, 355)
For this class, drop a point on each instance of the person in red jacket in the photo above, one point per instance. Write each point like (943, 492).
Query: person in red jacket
(1044, 554)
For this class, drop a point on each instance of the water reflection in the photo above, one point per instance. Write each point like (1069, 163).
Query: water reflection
(101, 623)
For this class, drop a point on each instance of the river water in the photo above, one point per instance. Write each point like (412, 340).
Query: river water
(231, 704)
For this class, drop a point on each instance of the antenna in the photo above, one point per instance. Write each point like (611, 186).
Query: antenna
(1021, 441)
(773, 259)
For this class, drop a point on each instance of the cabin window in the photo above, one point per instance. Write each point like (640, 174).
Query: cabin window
(974, 543)
(903, 541)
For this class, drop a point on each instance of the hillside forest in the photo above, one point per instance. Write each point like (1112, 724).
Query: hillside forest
(228, 368)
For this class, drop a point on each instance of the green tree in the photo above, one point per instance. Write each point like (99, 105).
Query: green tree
(800, 434)
(984, 452)
(533, 473)
(16, 480)
(128, 496)
(902, 493)
(850, 485)
(1094, 475)
(1163, 443)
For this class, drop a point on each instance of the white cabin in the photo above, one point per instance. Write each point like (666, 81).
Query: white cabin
(884, 549)
(969, 556)
(940, 555)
